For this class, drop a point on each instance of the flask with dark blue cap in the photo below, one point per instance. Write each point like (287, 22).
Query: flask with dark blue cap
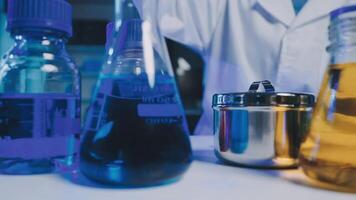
(135, 131)
(39, 90)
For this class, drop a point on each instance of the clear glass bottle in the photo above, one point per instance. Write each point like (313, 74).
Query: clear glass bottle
(328, 153)
(135, 129)
(39, 90)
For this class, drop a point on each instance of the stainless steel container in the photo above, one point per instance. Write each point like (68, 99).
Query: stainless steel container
(261, 129)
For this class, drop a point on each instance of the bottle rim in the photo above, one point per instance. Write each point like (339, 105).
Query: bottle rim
(340, 11)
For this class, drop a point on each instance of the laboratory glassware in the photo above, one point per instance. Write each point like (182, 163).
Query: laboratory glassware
(135, 132)
(328, 153)
(39, 90)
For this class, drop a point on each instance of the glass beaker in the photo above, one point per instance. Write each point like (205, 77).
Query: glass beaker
(135, 130)
(328, 153)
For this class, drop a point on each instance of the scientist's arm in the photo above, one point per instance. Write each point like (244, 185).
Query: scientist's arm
(191, 22)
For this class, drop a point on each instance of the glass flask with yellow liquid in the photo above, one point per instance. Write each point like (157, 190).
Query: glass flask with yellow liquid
(329, 152)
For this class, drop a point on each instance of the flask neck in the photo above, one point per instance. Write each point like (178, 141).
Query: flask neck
(39, 40)
(125, 10)
(131, 53)
(342, 36)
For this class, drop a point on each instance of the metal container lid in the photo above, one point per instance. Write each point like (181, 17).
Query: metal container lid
(267, 98)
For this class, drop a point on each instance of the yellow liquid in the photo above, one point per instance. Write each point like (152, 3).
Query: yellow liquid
(329, 152)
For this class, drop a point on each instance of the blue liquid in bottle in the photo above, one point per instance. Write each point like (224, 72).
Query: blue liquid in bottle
(39, 91)
(28, 147)
(135, 133)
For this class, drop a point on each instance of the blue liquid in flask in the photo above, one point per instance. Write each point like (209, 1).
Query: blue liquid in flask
(135, 135)
(32, 137)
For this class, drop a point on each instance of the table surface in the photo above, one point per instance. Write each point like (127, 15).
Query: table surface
(207, 178)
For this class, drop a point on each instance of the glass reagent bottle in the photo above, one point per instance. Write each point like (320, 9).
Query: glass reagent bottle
(328, 153)
(39, 90)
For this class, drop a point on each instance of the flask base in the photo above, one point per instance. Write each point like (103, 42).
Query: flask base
(337, 176)
(134, 176)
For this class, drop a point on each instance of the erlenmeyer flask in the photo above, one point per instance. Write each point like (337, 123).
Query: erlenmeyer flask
(135, 130)
(328, 154)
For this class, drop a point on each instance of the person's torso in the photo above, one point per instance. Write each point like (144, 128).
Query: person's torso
(261, 40)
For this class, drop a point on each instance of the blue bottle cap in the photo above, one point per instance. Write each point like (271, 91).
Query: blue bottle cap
(336, 13)
(50, 14)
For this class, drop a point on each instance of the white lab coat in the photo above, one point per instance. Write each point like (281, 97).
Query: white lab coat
(248, 40)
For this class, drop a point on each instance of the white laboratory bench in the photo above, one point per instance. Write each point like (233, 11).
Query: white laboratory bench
(206, 179)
